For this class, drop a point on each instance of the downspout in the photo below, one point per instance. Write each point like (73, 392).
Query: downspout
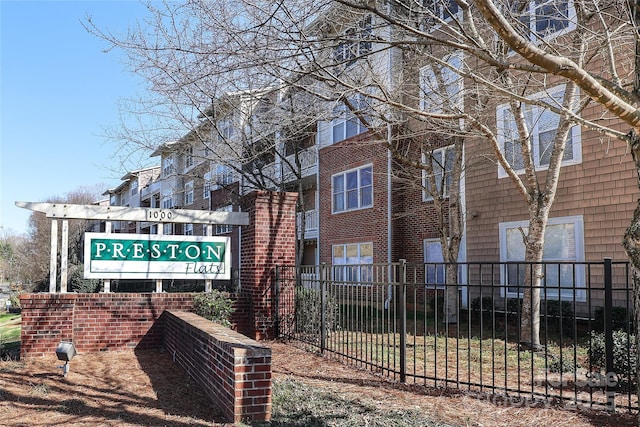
(318, 198)
(389, 141)
(389, 215)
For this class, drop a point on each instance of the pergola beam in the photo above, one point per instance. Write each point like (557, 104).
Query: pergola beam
(123, 213)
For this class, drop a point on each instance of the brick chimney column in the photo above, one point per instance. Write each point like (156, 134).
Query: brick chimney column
(268, 240)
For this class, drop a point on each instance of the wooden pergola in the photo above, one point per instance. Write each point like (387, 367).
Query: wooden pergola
(64, 212)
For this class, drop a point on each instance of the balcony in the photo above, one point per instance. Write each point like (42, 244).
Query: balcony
(308, 164)
(149, 190)
(311, 224)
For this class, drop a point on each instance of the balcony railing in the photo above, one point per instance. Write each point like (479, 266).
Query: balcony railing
(310, 224)
(308, 164)
(149, 190)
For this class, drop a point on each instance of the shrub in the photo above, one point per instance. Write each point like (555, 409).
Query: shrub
(216, 306)
(624, 356)
(14, 299)
(564, 365)
(620, 319)
(485, 304)
(77, 282)
(559, 315)
(309, 314)
(514, 305)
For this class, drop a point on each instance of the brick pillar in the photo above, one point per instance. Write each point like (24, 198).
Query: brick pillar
(268, 240)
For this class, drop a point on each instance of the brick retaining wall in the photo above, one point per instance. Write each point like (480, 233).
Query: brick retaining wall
(95, 322)
(232, 369)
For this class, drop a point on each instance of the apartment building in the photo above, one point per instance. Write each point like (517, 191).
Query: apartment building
(136, 190)
(358, 204)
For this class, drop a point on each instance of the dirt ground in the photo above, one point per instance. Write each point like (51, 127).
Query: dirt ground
(145, 388)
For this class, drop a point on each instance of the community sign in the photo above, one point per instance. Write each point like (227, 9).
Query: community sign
(148, 256)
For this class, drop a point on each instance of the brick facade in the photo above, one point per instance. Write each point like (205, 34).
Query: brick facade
(412, 219)
(361, 225)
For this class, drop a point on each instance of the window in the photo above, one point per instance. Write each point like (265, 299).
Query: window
(353, 262)
(564, 242)
(225, 129)
(167, 202)
(134, 187)
(434, 273)
(224, 228)
(188, 162)
(355, 42)
(188, 229)
(442, 93)
(442, 161)
(167, 166)
(544, 19)
(352, 189)
(542, 124)
(436, 11)
(223, 176)
(346, 124)
(188, 193)
(206, 188)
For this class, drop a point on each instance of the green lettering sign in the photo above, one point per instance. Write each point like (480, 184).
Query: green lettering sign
(129, 256)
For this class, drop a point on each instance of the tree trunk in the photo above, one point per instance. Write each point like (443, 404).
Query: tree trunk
(451, 294)
(631, 243)
(530, 314)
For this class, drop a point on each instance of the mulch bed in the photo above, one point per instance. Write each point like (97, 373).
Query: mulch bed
(145, 388)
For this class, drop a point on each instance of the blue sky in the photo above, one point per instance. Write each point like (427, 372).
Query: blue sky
(59, 94)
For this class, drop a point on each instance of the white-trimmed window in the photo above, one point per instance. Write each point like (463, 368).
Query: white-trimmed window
(434, 271)
(564, 245)
(345, 125)
(544, 19)
(442, 161)
(352, 262)
(134, 187)
(188, 160)
(355, 42)
(352, 189)
(225, 129)
(542, 124)
(223, 176)
(188, 229)
(167, 166)
(206, 185)
(167, 202)
(442, 92)
(224, 228)
(188, 193)
(436, 11)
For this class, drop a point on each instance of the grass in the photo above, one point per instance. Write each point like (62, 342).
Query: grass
(10, 325)
(298, 404)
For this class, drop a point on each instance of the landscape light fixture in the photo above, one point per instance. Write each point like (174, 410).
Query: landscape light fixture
(65, 352)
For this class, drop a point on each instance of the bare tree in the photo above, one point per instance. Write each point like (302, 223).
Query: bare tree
(34, 255)
(614, 83)
(390, 66)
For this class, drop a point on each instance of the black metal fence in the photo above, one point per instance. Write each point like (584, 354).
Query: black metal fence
(404, 321)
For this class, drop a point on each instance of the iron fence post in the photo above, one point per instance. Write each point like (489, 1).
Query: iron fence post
(402, 313)
(323, 307)
(276, 294)
(608, 334)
